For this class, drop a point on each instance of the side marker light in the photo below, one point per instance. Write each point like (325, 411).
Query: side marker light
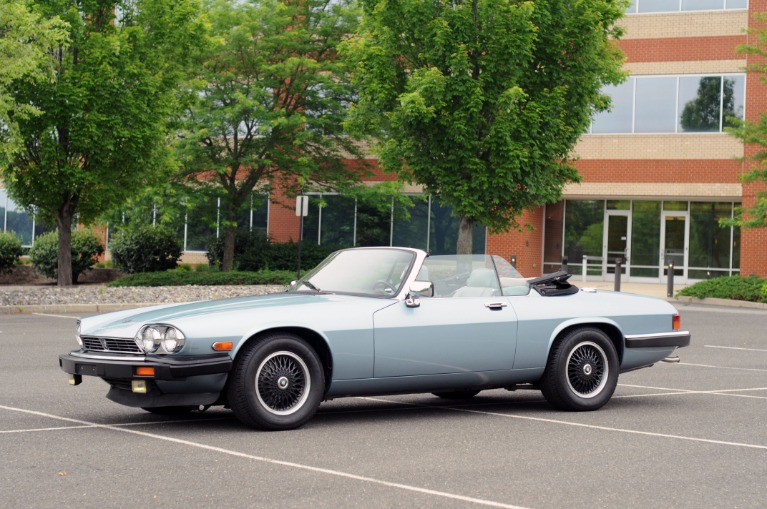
(223, 346)
(144, 371)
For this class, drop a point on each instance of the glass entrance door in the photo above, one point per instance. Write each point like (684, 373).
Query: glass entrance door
(674, 241)
(616, 244)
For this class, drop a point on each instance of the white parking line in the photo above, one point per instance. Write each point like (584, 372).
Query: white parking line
(721, 367)
(736, 348)
(56, 316)
(577, 424)
(335, 473)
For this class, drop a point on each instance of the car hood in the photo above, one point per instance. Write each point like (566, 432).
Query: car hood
(223, 314)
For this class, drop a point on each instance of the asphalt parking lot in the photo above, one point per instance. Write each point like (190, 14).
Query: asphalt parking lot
(692, 434)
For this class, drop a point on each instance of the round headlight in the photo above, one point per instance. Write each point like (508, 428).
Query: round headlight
(172, 340)
(77, 334)
(150, 338)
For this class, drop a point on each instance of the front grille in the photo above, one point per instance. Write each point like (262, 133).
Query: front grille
(118, 345)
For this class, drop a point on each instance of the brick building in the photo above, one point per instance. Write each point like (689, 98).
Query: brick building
(659, 172)
(658, 175)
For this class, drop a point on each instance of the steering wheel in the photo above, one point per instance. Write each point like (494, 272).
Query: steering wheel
(384, 287)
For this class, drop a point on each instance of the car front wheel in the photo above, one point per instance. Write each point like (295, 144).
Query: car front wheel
(582, 371)
(277, 383)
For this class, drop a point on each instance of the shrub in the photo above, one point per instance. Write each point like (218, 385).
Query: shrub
(44, 254)
(208, 278)
(254, 251)
(749, 288)
(10, 250)
(145, 249)
(284, 256)
(250, 250)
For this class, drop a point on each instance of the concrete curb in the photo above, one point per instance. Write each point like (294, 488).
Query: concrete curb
(721, 302)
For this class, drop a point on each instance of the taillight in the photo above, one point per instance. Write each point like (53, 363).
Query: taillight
(677, 322)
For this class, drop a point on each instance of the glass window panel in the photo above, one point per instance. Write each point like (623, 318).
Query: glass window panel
(737, 4)
(709, 243)
(700, 100)
(675, 205)
(735, 248)
(443, 238)
(619, 205)
(411, 224)
(373, 224)
(618, 118)
(706, 273)
(734, 98)
(655, 105)
(311, 226)
(584, 221)
(200, 225)
(253, 215)
(337, 221)
(645, 238)
(632, 8)
(658, 5)
(702, 5)
(17, 220)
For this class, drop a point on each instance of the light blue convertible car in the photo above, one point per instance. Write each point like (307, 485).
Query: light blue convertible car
(377, 321)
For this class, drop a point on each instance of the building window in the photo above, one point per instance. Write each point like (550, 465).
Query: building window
(343, 221)
(649, 6)
(17, 220)
(673, 104)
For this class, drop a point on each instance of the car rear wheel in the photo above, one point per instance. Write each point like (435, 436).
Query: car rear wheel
(277, 383)
(582, 371)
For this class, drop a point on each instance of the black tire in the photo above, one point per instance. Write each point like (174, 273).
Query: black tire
(582, 371)
(277, 383)
(468, 394)
(170, 410)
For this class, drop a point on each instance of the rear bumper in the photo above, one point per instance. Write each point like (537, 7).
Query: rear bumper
(659, 340)
(123, 367)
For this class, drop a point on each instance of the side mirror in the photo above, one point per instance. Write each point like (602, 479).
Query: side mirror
(418, 289)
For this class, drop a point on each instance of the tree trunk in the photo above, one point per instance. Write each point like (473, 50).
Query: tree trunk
(465, 236)
(227, 260)
(64, 222)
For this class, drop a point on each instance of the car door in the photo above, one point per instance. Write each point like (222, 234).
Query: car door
(445, 335)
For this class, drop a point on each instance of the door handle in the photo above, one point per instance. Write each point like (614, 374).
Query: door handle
(495, 305)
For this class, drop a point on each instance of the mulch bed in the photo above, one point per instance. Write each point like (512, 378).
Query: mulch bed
(25, 275)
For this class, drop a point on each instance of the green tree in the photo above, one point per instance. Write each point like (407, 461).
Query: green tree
(101, 132)
(754, 132)
(270, 96)
(25, 41)
(482, 101)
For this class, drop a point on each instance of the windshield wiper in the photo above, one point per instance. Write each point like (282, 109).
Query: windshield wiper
(310, 285)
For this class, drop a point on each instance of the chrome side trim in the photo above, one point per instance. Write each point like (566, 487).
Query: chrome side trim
(658, 340)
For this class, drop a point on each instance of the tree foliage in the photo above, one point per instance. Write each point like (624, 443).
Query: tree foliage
(101, 132)
(482, 101)
(25, 41)
(268, 101)
(754, 132)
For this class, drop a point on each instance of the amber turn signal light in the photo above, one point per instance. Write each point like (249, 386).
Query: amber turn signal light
(677, 324)
(144, 371)
(223, 346)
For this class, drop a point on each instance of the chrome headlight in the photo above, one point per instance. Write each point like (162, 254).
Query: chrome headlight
(149, 339)
(152, 337)
(173, 340)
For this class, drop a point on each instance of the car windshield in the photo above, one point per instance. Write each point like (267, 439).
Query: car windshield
(374, 272)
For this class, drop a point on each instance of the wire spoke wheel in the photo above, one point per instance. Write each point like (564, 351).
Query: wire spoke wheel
(582, 371)
(282, 383)
(587, 369)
